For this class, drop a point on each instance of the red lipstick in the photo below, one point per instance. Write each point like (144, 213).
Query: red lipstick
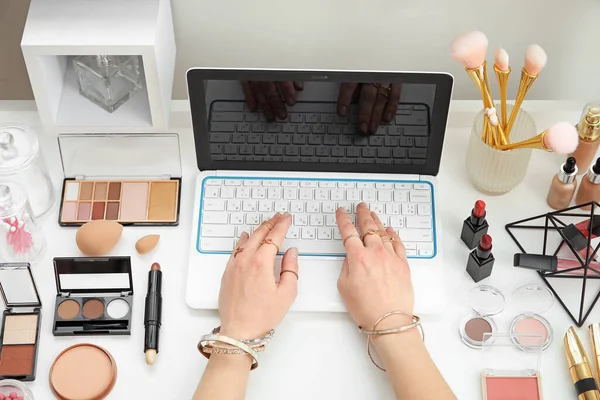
(481, 260)
(475, 226)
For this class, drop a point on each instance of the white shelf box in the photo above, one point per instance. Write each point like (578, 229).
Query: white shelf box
(56, 30)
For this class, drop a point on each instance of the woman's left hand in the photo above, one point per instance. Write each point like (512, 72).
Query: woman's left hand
(251, 301)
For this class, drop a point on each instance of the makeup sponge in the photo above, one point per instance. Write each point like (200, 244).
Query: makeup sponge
(98, 237)
(147, 244)
(470, 48)
(562, 138)
(535, 59)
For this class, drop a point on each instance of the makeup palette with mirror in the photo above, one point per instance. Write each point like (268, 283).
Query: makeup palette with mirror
(94, 296)
(132, 179)
(20, 333)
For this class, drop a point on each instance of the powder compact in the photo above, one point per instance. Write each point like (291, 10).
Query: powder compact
(508, 372)
(94, 296)
(532, 300)
(485, 301)
(133, 179)
(83, 372)
(19, 337)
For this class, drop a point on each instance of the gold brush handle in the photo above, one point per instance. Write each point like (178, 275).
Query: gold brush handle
(536, 142)
(525, 84)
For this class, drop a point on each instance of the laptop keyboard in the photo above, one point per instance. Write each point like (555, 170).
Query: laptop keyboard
(313, 132)
(235, 205)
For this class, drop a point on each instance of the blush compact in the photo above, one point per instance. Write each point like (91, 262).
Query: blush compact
(20, 334)
(94, 296)
(485, 302)
(532, 300)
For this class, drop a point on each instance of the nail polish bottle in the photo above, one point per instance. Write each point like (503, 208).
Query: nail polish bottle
(475, 226)
(588, 129)
(481, 260)
(590, 186)
(563, 185)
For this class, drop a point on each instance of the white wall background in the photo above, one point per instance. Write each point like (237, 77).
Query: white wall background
(392, 35)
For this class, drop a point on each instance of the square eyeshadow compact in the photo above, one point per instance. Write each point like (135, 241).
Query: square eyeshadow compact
(94, 296)
(20, 333)
(133, 179)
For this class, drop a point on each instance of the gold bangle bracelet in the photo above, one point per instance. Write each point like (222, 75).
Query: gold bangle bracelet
(209, 340)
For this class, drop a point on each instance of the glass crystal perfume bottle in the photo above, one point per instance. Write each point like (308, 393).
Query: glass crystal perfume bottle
(109, 81)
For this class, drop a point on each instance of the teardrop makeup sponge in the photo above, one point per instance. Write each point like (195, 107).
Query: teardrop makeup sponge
(96, 238)
(147, 244)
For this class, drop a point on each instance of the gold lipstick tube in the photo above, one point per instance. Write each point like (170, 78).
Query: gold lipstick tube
(595, 337)
(579, 368)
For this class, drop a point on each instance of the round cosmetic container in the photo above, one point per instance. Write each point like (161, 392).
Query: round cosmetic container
(9, 386)
(83, 372)
(22, 162)
(485, 301)
(532, 300)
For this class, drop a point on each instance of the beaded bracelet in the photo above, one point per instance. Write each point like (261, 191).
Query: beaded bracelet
(415, 324)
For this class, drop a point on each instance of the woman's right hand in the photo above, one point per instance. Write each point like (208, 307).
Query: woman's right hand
(375, 277)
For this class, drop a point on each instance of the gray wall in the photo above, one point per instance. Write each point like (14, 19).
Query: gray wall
(359, 34)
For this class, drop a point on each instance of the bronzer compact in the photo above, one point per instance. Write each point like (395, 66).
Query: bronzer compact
(94, 296)
(19, 337)
(134, 179)
(485, 302)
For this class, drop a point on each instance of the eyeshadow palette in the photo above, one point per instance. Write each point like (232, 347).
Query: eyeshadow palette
(94, 296)
(19, 337)
(134, 179)
(127, 202)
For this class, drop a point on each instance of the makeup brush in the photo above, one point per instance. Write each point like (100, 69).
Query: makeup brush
(470, 50)
(535, 61)
(562, 138)
(502, 70)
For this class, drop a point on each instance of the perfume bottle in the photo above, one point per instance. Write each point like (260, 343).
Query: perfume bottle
(588, 129)
(108, 81)
(563, 185)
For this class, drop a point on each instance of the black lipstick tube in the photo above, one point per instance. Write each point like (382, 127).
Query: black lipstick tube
(153, 310)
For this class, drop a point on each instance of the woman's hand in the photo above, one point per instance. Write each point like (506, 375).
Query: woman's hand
(375, 278)
(271, 97)
(377, 103)
(251, 301)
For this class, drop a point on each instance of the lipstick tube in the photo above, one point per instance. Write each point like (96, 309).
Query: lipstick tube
(595, 337)
(579, 368)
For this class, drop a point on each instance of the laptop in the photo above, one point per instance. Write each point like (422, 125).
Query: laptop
(310, 163)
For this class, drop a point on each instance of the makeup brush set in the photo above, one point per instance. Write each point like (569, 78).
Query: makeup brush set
(470, 50)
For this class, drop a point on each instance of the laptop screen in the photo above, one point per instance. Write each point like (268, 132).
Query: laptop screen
(329, 122)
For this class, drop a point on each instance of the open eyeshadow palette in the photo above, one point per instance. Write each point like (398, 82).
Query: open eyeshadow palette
(19, 337)
(94, 296)
(133, 179)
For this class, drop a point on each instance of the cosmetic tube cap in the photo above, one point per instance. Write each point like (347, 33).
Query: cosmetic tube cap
(568, 171)
(589, 124)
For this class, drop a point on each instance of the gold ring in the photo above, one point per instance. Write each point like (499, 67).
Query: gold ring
(351, 236)
(268, 224)
(387, 239)
(371, 232)
(283, 271)
(270, 241)
(383, 90)
(237, 251)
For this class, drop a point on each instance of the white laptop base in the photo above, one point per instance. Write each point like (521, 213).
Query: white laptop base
(321, 251)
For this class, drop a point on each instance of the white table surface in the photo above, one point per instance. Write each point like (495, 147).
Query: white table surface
(313, 355)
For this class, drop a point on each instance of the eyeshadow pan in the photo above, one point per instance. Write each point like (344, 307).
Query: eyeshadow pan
(112, 211)
(17, 360)
(114, 191)
(118, 308)
(69, 211)
(100, 191)
(93, 309)
(87, 188)
(476, 328)
(163, 201)
(134, 201)
(72, 191)
(98, 210)
(83, 213)
(20, 329)
(533, 326)
(68, 309)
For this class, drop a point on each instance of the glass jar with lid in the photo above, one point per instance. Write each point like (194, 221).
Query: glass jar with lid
(21, 161)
